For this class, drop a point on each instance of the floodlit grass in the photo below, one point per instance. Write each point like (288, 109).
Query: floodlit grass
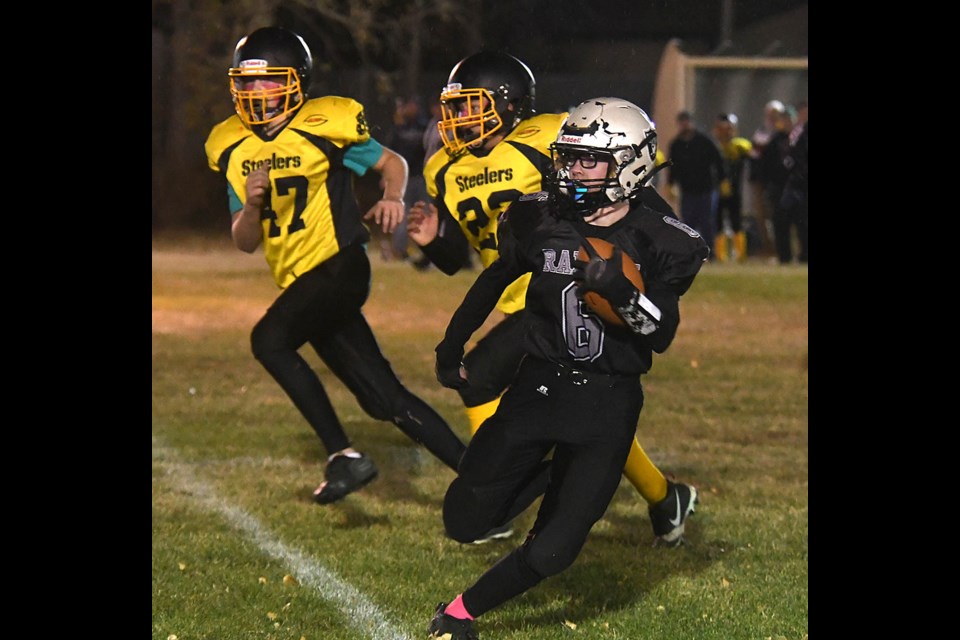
(241, 552)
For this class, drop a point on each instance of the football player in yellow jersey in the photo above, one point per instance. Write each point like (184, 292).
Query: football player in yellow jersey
(496, 148)
(289, 162)
(735, 151)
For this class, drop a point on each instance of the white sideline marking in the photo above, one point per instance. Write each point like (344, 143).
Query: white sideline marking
(362, 612)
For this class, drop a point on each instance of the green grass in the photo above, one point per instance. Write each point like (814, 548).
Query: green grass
(234, 465)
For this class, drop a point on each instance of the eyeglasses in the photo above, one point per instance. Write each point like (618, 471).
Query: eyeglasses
(587, 160)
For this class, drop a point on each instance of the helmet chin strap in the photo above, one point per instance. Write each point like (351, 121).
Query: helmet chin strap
(655, 171)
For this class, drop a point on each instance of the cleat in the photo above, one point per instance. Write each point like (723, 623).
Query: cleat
(497, 533)
(669, 516)
(444, 627)
(344, 475)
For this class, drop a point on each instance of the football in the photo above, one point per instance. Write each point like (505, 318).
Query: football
(597, 303)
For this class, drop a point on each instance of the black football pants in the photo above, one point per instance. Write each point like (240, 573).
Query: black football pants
(323, 307)
(589, 422)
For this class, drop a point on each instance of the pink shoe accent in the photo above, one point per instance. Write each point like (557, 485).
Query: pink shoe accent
(457, 610)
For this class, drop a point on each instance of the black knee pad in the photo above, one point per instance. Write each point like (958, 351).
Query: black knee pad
(263, 344)
(462, 519)
(548, 558)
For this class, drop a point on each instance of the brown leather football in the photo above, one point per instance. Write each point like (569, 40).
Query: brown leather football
(597, 303)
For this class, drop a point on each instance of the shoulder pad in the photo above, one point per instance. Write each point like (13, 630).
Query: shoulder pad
(334, 118)
(541, 196)
(538, 131)
(524, 215)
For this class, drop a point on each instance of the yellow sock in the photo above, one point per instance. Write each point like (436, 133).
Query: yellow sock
(720, 247)
(476, 415)
(643, 475)
(740, 245)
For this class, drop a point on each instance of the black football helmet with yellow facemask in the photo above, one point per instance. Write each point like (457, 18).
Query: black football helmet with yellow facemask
(486, 93)
(276, 55)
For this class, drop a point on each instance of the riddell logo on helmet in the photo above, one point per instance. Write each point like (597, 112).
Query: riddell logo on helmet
(570, 139)
(253, 65)
(315, 120)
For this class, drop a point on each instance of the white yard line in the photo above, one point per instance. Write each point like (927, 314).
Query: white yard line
(363, 614)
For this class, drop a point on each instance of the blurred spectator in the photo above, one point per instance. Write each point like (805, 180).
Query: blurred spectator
(800, 123)
(772, 171)
(697, 169)
(431, 136)
(760, 207)
(659, 180)
(735, 151)
(406, 138)
(431, 144)
(791, 211)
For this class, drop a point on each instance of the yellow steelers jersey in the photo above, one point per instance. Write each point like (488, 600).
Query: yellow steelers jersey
(735, 153)
(311, 211)
(476, 190)
(736, 149)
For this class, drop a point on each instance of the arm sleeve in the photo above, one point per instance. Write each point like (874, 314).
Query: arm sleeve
(363, 155)
(233, 200)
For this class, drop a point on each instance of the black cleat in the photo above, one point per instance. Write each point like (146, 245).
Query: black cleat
(444, 627)
(344, 475)
(669, 516)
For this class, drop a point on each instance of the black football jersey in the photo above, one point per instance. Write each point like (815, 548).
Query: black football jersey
(561, 328)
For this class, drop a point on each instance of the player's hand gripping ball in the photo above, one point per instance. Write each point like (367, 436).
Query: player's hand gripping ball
(606, 275)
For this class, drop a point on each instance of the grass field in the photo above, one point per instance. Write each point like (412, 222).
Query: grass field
(240, 552)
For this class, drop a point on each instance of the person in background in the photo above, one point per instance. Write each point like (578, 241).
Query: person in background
(496, 148)
(735, 151)
(578, 390)
(658, 181)
(792, 209)
(289, 161)
(760, 206)
(772, 170)
(432, 143)
(406, 138)
(696, 171)
(431, 135)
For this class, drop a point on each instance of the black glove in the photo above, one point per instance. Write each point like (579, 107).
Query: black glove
(605, 277)
(448, 366)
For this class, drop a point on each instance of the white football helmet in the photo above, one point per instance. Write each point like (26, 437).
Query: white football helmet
(612, 129)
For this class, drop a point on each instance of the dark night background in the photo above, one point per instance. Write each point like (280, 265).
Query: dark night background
(379, 50)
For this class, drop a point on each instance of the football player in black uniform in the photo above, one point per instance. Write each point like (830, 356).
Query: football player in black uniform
(289, 163)
(577, 392)
(496, 148)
